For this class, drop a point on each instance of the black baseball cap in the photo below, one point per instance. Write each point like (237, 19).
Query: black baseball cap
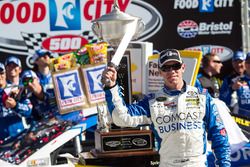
(169, 55)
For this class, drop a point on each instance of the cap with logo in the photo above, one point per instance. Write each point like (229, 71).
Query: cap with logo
(2, 68)
(40, 53)
(28, 77)
(13, 59)
(29, 74)
(169, 55)
(239, 55)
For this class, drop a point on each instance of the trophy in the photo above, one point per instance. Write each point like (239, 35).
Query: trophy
(118, 29)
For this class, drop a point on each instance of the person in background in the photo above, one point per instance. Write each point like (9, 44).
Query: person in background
(211, 66)
(34, 90)
(15, 110)
(2, 76)
(242, 88)
(232, 81)
(41, 60)
(13, 70)
(183, 117)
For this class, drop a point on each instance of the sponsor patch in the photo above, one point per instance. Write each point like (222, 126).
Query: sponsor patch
(161, 99)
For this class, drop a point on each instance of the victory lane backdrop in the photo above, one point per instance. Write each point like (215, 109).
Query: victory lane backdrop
(225, 18)
(210, 25)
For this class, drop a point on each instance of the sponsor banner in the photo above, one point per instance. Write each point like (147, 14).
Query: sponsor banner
(62, 26)
(94, 88)
(191, 29)
(224, 53)
(202, 5)
(69, 91)
(185, 25)
(206, 25)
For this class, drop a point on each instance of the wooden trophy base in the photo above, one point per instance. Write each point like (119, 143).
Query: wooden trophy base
(123, 143)
(98, 154)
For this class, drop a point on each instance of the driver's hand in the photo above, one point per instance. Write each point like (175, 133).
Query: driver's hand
(109, 76)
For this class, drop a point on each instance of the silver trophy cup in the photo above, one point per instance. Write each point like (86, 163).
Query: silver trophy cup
(112, 27)
(117, 29)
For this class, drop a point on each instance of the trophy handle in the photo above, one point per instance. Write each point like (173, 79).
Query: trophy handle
(96, 29)
(139, 29)
(104, 121)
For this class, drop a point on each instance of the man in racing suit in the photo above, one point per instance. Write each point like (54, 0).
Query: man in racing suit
(232, 81)
(180, 114)
(243, 92)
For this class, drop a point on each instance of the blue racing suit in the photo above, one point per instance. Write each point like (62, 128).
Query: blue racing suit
(243, 96)
(226, 90)
(181, 120)
(12, 121)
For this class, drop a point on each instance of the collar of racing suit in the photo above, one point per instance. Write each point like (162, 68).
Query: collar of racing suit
(175, 92)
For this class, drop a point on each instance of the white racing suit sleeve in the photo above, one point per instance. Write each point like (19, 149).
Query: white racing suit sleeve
(126, 116)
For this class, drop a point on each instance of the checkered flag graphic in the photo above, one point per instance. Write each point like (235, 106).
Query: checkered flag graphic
(90, 36)
(33, 41)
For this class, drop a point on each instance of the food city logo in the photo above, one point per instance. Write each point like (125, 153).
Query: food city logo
(190, 29)
(64, 16)
(93, 83)
(69, 89)
(223, 52)
(203, 5)
(63, 26)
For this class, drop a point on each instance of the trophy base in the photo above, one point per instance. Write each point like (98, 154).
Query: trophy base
(99, 154)
(125, 142)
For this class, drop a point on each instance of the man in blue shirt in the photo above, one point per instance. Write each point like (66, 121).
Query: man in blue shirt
(232, 81)
(15, 110)
(243, 92)
(47, 107)
(13, 67)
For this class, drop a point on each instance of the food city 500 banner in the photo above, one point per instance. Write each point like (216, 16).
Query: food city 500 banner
(64, 26)
(60, 26)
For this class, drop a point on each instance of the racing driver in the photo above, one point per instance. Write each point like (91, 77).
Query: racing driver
(183, 117)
